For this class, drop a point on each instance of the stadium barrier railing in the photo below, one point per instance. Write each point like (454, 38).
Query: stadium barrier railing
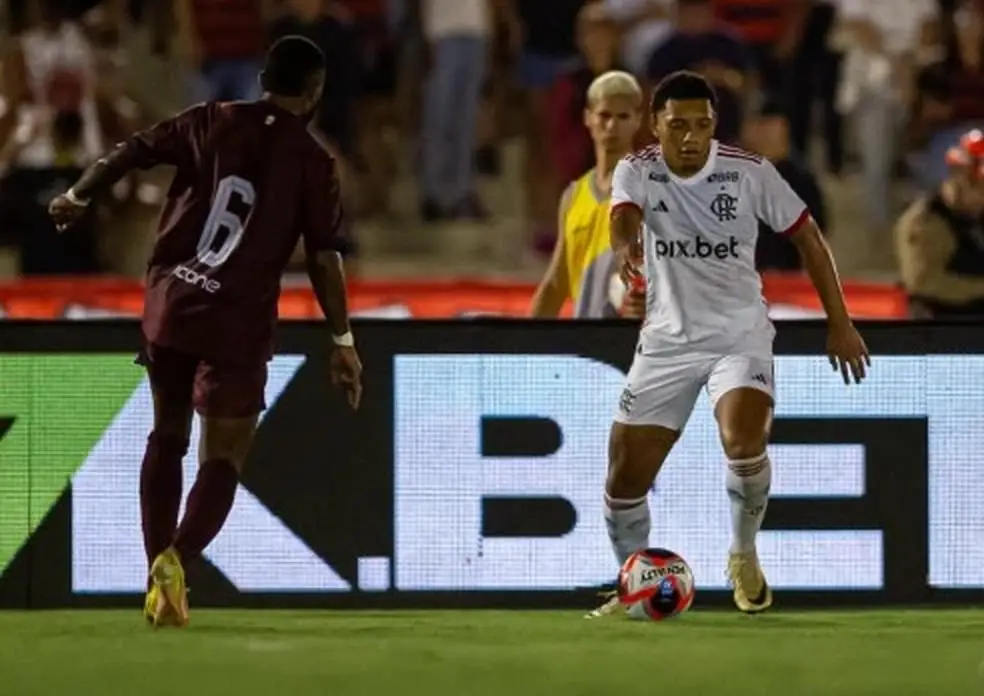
(790, 295)
(472, 476)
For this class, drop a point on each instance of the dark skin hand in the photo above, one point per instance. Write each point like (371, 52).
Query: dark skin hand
(64, 212)
(346, 372)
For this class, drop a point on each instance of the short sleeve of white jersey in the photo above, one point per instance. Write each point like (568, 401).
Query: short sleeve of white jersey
(627, 184)
(776, 204)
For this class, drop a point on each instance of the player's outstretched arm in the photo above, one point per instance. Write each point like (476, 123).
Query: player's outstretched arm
(845, 347)
(555, 288)
(168, 142)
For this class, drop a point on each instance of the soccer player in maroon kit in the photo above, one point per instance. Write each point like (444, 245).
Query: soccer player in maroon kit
(250, 181)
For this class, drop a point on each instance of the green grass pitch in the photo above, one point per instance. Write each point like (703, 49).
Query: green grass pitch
(478, 653)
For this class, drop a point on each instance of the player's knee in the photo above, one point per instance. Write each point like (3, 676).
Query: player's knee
(233, 456)
(172, 427)
(740, 445)
(227, 439)
(635, 457)
(173, 443)
(625, 484)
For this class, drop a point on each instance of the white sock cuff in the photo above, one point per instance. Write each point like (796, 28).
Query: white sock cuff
(623, 503)
(746, 468)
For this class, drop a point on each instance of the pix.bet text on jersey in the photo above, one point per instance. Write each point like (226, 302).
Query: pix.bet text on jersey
(250, 181)
(699, 235)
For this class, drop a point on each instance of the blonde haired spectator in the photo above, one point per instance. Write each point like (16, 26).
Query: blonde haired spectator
(583, 267)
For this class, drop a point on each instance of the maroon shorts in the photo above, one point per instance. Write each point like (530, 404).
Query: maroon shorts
(220, 390)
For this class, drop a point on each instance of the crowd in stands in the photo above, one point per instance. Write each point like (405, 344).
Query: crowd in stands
(883, 88)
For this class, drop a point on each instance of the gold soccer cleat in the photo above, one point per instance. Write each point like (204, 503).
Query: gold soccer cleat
(752, 593)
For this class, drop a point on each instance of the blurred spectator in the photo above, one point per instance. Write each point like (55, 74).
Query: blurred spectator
(771, 29)
(221, 42)
(570, 143)
(940, 240)
(884, 38)
(812, 80)
(117, 113)
(700, 44)
(546, 31)
(457, 32)
(49, 68)
(950, 95)
(644, 25)
(24, 196)
(768, 134)
(377, 118)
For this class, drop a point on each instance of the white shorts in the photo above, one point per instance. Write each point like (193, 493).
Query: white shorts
(662, 390)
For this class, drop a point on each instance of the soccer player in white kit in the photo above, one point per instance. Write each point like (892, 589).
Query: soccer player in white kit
(698, 203)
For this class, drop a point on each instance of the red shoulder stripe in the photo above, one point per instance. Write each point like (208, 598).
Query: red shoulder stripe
(736, 156)
(646, 154)
(738, 153)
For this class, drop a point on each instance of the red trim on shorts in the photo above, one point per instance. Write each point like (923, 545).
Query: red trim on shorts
(799, 222)
(624, 204)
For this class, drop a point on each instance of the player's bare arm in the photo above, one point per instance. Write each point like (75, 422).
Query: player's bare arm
(626, 222)
(845, 347)
(554, 289)
(324, 265)
(328, 281)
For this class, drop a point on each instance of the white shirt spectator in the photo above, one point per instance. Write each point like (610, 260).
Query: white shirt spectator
(60, 74)
(444, 18)
(900, 22)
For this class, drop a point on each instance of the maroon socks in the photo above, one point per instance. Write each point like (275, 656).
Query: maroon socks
(209, 503)
(160, 491)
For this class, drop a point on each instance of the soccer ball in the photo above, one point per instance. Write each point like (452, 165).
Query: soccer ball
(655, 584)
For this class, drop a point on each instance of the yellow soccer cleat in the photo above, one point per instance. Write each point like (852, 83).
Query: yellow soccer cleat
(157, 611)
(169, 590)
(752, 593)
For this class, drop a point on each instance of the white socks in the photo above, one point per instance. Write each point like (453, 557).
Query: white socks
(748, 485)
(628, 524)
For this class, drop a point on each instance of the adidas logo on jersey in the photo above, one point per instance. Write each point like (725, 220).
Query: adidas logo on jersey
(661, 207)
(698, 248)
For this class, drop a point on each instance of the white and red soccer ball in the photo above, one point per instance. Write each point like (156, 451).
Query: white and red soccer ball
(655, 584)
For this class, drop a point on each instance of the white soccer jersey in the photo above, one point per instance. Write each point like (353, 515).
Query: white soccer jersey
(699, 235)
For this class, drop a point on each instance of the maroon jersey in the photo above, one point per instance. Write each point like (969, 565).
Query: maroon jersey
(250, 182)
